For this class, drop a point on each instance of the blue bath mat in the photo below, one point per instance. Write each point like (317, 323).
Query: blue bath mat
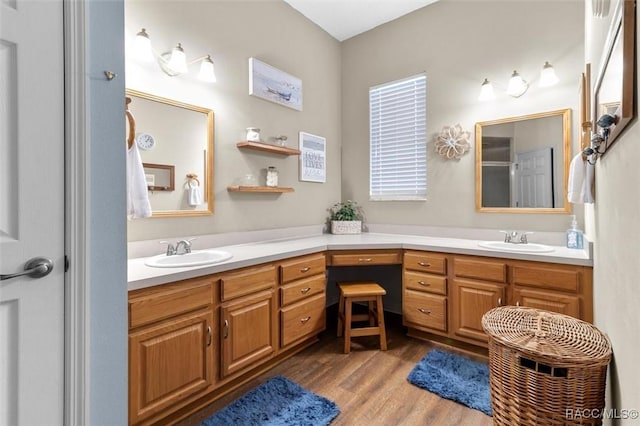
(454, 377)
(278, 401)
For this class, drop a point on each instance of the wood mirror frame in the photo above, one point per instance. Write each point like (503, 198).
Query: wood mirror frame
(563, 159)
(617, 69)
(181, 173)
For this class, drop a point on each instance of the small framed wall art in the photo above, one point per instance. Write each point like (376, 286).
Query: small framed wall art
(313, 152)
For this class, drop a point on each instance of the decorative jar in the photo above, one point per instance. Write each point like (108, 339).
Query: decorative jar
(253, 134)
(272, 176)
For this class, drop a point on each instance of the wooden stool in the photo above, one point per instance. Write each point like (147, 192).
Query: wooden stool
(371, 293)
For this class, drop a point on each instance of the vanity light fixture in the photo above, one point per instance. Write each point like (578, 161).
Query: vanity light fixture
(548, 75)
(486, 91)
(173, 63)
(517, 85)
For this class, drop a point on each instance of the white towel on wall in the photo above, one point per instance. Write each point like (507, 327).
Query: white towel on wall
(581, 175)
(195, 194)
(137, 194)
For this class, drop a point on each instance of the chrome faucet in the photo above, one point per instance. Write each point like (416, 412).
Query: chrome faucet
(515, 237)
(185, 245)
(181, 247)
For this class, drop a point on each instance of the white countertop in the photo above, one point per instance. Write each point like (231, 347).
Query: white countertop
(141, 276)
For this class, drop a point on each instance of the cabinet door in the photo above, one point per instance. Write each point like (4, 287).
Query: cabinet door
(550, 301)
(247, 331)
(168, 363)
(470, 301)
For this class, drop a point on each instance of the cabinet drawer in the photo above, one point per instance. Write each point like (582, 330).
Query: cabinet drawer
(549, 301)
(247, 281)
(547, 277)
(425, 310)
(304, 319)
(176, 299)
(482, 269)
(426, 262)
(302, 289)
(425, 282)
(302, 267)
(365, 258)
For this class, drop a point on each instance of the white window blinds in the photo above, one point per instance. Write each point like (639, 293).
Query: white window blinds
(397, 120)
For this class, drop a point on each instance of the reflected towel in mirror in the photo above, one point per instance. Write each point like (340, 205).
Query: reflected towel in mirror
(194, 193)
(137, 195)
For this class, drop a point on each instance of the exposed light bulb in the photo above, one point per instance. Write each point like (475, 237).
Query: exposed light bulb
(486, 91)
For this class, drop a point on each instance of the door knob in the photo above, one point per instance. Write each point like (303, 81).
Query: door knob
(37, 267)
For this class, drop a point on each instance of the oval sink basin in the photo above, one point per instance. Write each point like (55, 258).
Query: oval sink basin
(518, 248)
(195, 258)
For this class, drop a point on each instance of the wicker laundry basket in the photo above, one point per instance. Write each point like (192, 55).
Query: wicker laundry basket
(545, 368)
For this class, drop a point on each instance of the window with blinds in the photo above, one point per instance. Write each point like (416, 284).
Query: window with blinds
(397, 123)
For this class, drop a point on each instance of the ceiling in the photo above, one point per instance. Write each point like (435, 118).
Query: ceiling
(344, 19)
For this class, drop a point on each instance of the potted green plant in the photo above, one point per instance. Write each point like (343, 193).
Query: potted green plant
(346, 218)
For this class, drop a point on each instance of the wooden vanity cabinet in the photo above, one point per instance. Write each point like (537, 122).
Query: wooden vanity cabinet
(478, 285)
(171, 347)
(564, 289)
(302, 298)
(424, 291)
(364, 257)
(248, 322)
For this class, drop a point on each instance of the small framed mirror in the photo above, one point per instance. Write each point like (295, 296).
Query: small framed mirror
(522, 163)
(175, 140)
(159, 177)
(615, 85)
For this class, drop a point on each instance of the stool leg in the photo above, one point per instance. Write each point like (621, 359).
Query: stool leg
(372, 318)
(383, 333)
(340, 315)
(347, 327)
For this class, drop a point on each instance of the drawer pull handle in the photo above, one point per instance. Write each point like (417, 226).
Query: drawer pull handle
(226, 329)
(425, 311)
(305, 269)
(209, 337)
(305, 290)
(424, 283)
(425, 264)
(305, 319)
(518, 303)
(499, 301)
(367, 259)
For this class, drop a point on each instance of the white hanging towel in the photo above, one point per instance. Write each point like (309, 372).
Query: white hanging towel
(195, 193)
(581, 175)
(137, 194)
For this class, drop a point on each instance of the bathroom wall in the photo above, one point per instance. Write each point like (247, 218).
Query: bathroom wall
(233, 31)
(615, 227)
(458, 44)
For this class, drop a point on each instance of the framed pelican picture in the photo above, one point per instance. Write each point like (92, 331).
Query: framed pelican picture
(273, 85)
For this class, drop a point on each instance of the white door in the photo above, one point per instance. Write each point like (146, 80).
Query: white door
(534, 178)
(31, 211)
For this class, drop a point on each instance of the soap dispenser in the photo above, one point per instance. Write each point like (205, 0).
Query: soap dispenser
(574, 235)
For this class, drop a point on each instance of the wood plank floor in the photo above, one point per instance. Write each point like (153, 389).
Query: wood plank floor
(369, 386)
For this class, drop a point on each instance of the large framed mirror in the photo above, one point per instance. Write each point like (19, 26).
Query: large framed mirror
(179, 137)
(522, 163)
(615, 85)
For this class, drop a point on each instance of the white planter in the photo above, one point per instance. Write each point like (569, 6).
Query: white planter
(346, 226)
